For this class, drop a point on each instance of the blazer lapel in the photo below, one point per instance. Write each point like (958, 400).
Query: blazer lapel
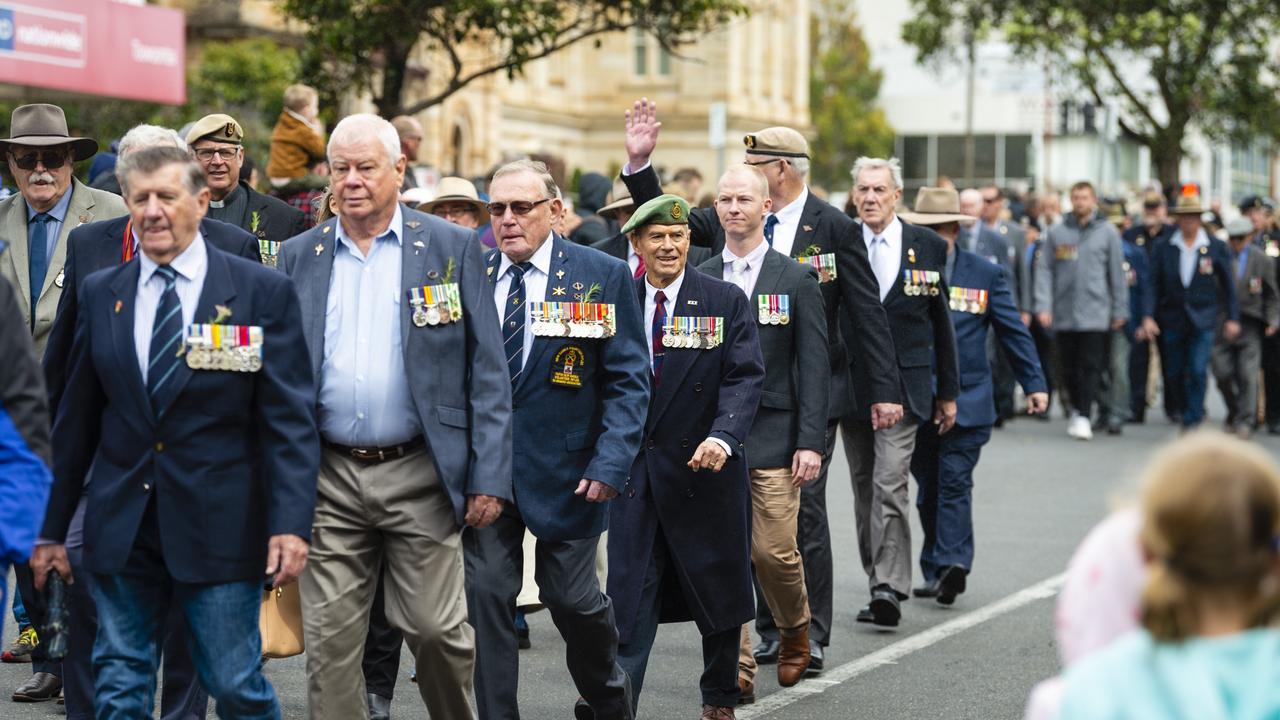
(769, 277)
(79, 212)
(313, 286)
(904, 263)
(15, 228)
(559, 263)
(414, 249)
(219, 289)
(125, 289)
(675, 365)
(806, 231)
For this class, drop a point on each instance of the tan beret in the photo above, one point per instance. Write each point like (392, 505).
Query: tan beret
(779, 141)
(222, 128)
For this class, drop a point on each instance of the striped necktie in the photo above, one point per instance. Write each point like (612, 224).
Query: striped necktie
(659, 320)
(166, 337)
(513, 321)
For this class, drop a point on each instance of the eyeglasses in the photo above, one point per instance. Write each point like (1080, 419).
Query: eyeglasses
(49, 158)
(758, 163)
(990, 200)
(227, 154)
(519, 207)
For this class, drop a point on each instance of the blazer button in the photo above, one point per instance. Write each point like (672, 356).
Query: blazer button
(159, 447)
(688, 493)
(684, 442)
(146, 487)
(649, 445)
(631, 492)
(697, 387)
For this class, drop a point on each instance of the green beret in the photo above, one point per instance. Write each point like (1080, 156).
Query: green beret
(662, 210)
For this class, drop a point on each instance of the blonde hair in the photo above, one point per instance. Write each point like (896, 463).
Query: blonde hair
(1211, 518)
(298, 97)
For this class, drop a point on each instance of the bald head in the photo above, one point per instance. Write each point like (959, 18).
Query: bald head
(746, 173)
(742, 201)
(971, 202)
(410, 132)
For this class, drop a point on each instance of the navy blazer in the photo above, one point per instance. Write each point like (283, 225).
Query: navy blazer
(1197, 306)
(705, 517)
(232, 460)
(457, 372)
(975, 406)
(94, 247)
(1137, 274)
(561, 434)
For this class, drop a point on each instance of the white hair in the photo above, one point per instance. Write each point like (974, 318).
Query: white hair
(141, 136)
(800, 165)
(355, 128)
(868, 163)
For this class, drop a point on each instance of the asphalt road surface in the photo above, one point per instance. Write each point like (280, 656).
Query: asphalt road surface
(1037, 493)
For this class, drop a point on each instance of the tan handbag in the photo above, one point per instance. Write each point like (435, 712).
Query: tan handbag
(280, 622)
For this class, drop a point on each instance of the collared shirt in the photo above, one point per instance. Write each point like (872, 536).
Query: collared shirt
(53, 227)
(1189, 256)
(535, 287)
(633, 260)
(887, 259)
(784, 233)
(364, 389)
(751, 273)
(192, 266)
(950, 267)
(1241, 261)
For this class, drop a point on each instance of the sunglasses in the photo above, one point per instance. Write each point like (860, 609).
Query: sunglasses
(48, 158)
(519, 207)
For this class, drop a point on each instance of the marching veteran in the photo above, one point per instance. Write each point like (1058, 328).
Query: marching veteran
(788, 437)
(680, 535)
(981, 300)
(414, 414)
(199, 453)
(574, 347)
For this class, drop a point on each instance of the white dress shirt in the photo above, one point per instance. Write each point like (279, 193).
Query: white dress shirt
(535, 288)
(192, 266)
(633, 260)
(750, 273)
(1189, 256)
(885, 252)
(784, 233)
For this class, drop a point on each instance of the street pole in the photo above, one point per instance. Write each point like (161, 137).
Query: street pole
(969, 144)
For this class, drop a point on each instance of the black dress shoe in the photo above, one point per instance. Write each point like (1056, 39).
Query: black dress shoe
(1273, 428)
(582, 711)
(865, 615)
(815, 659)
(886, 610)
(379, 707)
(928, 590)
(951, 582)
(766, 651)
(41, 687)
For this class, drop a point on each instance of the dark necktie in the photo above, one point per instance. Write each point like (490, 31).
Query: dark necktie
(769, 224)
(659, 319)
(513, 321)
(38, 264)
(639, 273)
(166, 337)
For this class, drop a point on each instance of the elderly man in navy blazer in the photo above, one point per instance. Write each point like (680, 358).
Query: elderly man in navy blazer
(90, 248)
(197, 442)
(680, 538)
(1191, 289)
(980, 301)
(575, 364)
(415, 419)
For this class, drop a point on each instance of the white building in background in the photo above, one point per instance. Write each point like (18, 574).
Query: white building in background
(1029, 128)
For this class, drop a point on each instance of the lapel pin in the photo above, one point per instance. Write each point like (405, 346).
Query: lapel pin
(559, 274)
(490, 271)
(911, 254)
(692, 302)
(560, 254)
(808, 228)
(319, 249)
(413, 224)
(326, 229)
(119, 304)
(577, 286)
(433, 274)
(557, 291)
(419, 243)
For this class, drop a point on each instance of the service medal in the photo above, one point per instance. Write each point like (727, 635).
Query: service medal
(784, 318)
(433, 315)
(666, 341)
(764, 316)
(419, 317)
(775, 318)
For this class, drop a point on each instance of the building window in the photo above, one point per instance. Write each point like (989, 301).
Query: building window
(997, 158)
(647, 52)
(640, 42)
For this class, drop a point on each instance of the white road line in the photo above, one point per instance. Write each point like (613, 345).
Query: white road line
(892, 653)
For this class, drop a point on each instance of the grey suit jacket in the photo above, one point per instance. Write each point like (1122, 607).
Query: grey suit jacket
(794, 401)
(1256, 289)
(87, 205)
(457, 372)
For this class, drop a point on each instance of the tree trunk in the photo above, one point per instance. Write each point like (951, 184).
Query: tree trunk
(1166, 155)
(395, 60)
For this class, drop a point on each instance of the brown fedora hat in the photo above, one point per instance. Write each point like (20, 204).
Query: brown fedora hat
(1187, 205)
(457, 189)
(44, 125)
(937, 206)
(619, 199)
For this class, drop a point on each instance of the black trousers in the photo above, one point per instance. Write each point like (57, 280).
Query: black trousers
(1271, 377)
(569, 588)
(381, 649)
(813, 534)
(1082, 355)
(1139, 364)
(1002, 378)
(1046, 351)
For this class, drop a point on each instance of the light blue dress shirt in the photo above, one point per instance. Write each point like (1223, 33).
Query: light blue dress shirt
(53, 228)
(192, 266)
(364, 389)
(1189, 257)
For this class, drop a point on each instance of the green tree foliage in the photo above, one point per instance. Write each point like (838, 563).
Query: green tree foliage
(1169, 64)
(843, 87)
(366, 45)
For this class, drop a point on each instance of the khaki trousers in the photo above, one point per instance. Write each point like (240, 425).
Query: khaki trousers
(880, 463)
(395, 515)
(775, 505)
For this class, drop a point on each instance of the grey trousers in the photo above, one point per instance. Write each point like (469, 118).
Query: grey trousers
(1235, 366)
(568, 586)
(1113, 391)
(395, 517)
(880, 466)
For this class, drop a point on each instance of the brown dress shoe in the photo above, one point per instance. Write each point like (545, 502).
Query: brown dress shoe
(793, 656)
(41, 687)
(748, 690)
(715, 712)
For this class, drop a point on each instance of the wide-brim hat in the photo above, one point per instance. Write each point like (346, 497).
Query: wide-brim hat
(45, 125)
(619, 199)
(1187, 205)
(456, 189)
(937, 206)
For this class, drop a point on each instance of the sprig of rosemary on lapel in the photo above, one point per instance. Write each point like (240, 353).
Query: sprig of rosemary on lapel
(448, 272)
(592, 292)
